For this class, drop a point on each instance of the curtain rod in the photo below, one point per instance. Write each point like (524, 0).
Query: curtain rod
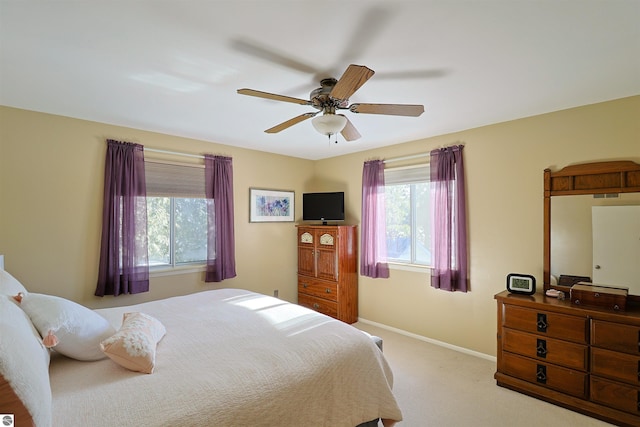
(175, 153)
(399, 159)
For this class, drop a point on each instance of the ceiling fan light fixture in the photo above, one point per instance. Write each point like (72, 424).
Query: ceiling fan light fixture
(329, 124)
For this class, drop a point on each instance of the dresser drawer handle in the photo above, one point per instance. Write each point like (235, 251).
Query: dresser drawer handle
(542, 322)
(541, 374)
(304, 285)
(328, 290)
(541, 348)
(316, 305)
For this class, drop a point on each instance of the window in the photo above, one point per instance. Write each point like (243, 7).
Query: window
(177, 231)
(408, 215)
(176, 214)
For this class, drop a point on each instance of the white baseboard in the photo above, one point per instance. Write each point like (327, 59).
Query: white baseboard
(430, 340)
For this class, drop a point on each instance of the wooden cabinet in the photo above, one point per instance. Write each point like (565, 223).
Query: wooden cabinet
(327, 270)
(584, 359)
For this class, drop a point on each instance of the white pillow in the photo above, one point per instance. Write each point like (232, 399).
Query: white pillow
(24, 362)
(9, 285)
(134, 346)
(78, 329)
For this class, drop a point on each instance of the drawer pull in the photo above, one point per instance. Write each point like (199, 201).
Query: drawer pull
(316, 305)
(304, 285)
(328, 290)
(541, 348)
(542, 322)
(541, 374)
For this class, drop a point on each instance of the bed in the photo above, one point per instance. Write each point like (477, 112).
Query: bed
(229, 357)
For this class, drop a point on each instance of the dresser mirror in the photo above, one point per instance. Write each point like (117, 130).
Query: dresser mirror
(571, 196)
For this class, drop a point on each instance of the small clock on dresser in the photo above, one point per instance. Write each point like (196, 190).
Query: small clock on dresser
(521, 284)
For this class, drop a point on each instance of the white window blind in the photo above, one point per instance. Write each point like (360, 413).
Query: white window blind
(168, 179)
(407, 175)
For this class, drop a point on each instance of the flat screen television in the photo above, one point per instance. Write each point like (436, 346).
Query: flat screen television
(323, 206)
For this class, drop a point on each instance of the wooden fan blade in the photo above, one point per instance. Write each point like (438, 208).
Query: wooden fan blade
(389, 109)
(290, 122)
(350, 133)
(273, 96)
(352, 79)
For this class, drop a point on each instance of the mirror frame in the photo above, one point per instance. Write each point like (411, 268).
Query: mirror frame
(587, 178)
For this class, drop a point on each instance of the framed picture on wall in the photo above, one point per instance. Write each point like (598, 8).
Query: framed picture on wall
(271, 205)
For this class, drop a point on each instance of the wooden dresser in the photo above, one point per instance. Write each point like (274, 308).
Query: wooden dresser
(327, 270)
(584, 359)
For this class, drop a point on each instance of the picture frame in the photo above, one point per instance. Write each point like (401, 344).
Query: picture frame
(267, 205)
(523, 284)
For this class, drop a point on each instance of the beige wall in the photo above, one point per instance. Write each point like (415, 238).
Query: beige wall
(51, 184)
(504, 170)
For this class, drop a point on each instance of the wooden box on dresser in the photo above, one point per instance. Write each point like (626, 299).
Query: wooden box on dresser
(582, 358)
(327, 270)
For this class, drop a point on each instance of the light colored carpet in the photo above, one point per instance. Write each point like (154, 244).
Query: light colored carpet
(439, 387)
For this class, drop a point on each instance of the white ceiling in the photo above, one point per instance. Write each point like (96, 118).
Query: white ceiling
(174, 66)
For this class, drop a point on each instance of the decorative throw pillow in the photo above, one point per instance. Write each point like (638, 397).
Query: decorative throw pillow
(77, 330)
(24, 368)
(134, 345)
(9, 285)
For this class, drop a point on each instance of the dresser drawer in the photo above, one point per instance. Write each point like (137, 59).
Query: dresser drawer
(615, 365)
(616, 395)
(320, 305)
(554, 325)
(558, 378)
(318, 288)
(615, 336)
(567, 354)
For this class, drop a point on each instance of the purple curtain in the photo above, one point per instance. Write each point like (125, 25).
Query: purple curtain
(124, 264)
(373, 241)
(221, 261)
(449, 220)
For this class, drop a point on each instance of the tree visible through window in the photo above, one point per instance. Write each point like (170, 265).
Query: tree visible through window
(177, 230)
(408, 215)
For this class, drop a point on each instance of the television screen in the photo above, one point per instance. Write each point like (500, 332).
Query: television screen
(323, 206)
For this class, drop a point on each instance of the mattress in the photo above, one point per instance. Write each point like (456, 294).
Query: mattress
(232, 358)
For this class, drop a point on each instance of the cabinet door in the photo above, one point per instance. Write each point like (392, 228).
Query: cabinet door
(306, 261)
(327, 255)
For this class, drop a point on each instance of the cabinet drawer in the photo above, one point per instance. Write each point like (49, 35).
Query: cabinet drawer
(615, 365)
(319, 304)
(558, 378)
(568, 328)
(615, 395)
(568, 354)
(615, 336)
(318, 288)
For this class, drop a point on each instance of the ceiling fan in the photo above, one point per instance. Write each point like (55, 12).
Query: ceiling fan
(333, 95)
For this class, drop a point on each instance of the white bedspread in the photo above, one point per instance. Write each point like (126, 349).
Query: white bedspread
(232, 358)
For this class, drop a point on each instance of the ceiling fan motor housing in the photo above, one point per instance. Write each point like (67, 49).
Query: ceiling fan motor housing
(321, 100)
